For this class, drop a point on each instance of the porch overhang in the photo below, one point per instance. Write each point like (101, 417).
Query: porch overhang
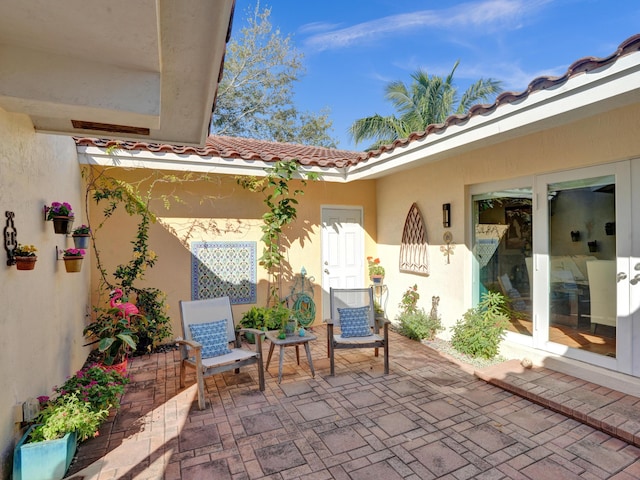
(147, 69)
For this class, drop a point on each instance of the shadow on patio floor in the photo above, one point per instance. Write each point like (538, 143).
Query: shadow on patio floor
(429, 418)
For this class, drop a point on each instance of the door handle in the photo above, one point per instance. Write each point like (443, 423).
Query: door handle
(621, 276)
(326, 270)
(635, 279)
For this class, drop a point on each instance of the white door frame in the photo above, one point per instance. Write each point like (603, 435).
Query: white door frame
(352, 261)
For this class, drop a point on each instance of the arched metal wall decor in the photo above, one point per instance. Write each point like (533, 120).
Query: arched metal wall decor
(414, 248)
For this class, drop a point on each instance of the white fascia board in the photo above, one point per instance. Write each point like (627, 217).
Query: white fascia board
(88, 155)
(581, 96)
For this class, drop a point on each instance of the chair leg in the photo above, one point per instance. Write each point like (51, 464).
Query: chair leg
(183, 373)
(200, 378)
(331, 359)
(386, 349)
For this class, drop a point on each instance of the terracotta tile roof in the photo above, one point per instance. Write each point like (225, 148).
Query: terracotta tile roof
(584, 65)
(250, 149)
(241, 148)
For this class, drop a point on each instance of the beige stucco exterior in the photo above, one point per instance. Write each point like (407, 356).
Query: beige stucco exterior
(218, 209)
(43, 311)
(599, 139)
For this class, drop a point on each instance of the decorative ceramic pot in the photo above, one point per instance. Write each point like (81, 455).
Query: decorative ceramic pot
(26, 263)
(73, 264)
(121, 367)
(46, 460)
(377, 279)
(62, 225)
(81, 240)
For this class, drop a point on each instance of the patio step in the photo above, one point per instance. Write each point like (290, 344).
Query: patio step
(602, 408)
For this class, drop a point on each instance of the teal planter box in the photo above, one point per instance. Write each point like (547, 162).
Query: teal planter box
(48, 460)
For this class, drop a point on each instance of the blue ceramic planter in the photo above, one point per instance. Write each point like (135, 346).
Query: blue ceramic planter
(48, 460)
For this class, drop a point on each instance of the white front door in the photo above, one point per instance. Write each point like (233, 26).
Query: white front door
(342, 250)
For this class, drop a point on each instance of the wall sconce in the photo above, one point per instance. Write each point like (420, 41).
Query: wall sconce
(610, 228)
(593, 246)
(446, 215)
(575, 236)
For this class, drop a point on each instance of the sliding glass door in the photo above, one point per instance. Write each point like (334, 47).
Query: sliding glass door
(558, 247)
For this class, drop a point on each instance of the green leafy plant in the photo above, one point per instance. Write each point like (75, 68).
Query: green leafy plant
(67, 414)
(261, 318)
(81, 230)
(101, 388)
(419, 325)
(116, 334)
(482, 328)
(409, 301)
(415, 323)
(153, 325)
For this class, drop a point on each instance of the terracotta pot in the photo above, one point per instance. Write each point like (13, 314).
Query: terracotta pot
(26, 263)
(62, 225)
(377, 279)
(121, 367)
(73, 264)
(81, 240)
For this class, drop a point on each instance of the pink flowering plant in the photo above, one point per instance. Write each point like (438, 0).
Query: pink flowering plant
(59, 209)
(74, 252)
(82, 230)
(101, 388)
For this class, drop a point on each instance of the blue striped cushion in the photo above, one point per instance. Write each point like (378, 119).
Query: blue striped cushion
(212, 336)
(354, 322)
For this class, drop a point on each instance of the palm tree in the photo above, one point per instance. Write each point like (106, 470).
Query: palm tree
(428, 100)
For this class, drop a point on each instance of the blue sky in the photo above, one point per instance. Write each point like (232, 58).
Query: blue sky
(353, 48)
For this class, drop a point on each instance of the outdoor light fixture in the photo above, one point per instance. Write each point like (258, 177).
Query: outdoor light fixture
(446, 215)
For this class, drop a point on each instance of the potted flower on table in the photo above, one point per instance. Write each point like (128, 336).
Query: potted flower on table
(73, 259)
(62, 216)
(81, 236)
(376, 271)
(25, 257)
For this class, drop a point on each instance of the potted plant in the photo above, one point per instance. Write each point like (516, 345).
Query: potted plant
(62, 216)
(260, 318)
(73, 259)
(376, 271)
(25, 257)
(81, 236)
(47, 448)
(116, 335)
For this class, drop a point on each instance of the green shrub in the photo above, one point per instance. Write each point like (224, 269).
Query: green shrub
(481, 329)
(419, 325)
(67, 414)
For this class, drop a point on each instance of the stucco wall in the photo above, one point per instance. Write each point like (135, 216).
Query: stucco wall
(43, 311)
(220, 210)
(600, 139)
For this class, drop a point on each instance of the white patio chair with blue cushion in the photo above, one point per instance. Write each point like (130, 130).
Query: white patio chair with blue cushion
(211, 344)
(353, 313)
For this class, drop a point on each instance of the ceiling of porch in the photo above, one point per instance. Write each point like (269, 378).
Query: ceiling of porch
(147, 69)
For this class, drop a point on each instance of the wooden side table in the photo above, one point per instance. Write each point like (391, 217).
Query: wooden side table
(290, 341)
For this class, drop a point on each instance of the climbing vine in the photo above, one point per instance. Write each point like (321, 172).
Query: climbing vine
(281, 203)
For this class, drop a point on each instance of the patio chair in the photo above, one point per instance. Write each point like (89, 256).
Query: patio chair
(352, 311)
(209, 331)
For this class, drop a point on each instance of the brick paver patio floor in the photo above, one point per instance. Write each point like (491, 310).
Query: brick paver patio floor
(429, 418)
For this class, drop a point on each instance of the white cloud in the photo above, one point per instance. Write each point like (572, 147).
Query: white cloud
(485, 16)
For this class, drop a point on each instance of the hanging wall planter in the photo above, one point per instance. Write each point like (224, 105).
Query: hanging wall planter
(72, 258)
(62, 225)
(25, 263)
(81, 241)
(61, 214)
(73, 264)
